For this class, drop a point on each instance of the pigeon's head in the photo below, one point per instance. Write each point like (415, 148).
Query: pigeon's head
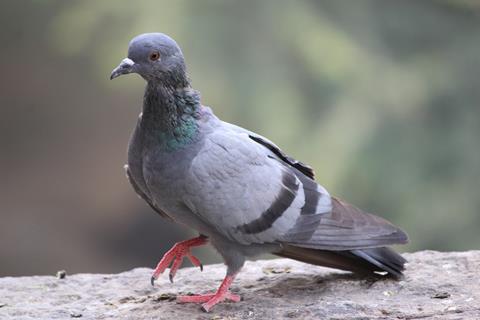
(157, 58)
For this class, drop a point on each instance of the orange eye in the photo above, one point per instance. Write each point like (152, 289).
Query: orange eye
(154, 56)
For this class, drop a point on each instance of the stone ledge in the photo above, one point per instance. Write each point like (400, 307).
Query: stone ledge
(436, 286)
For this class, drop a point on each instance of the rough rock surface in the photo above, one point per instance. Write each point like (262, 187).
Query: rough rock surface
(436, 286)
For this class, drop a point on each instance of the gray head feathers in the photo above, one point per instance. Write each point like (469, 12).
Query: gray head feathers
(157, 58)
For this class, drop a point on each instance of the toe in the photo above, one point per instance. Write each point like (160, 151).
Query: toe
(233, 297)
(195, 298)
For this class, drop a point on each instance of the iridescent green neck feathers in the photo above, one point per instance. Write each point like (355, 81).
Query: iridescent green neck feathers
(170, 116)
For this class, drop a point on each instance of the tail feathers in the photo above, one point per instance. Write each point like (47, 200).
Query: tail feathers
(384, 258)
(363, 261)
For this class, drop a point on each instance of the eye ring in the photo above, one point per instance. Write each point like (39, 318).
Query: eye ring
(154, 56)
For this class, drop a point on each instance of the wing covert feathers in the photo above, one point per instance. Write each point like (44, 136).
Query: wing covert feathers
(302, 167)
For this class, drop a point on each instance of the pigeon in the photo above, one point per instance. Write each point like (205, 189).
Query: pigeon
(237, 189)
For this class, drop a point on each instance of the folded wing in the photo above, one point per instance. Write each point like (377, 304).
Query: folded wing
(251, 192)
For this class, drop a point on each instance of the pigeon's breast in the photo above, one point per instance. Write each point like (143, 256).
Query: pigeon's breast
(165, 178)
(135, 158)
(161, 173)
(164, 172)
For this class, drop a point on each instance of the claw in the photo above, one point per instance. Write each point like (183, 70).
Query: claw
(170, 276)
(152, 280)
(201, 267)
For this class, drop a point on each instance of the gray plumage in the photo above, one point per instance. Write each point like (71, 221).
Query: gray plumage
(237, 187)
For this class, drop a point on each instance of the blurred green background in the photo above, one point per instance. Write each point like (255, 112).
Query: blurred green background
(381, 97)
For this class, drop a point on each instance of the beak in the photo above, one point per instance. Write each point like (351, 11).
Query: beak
(125, 67)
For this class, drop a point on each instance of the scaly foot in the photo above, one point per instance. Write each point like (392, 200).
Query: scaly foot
(210, 300)
(176, 254)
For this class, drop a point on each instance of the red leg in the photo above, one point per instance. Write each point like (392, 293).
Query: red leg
(210, 300)
(176, 254)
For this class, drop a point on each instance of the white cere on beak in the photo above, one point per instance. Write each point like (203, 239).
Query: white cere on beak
(128, 62)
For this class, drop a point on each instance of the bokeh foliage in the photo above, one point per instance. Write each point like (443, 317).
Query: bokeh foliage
(380, 96)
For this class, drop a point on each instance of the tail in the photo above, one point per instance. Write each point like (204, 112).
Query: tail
(363, 261)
